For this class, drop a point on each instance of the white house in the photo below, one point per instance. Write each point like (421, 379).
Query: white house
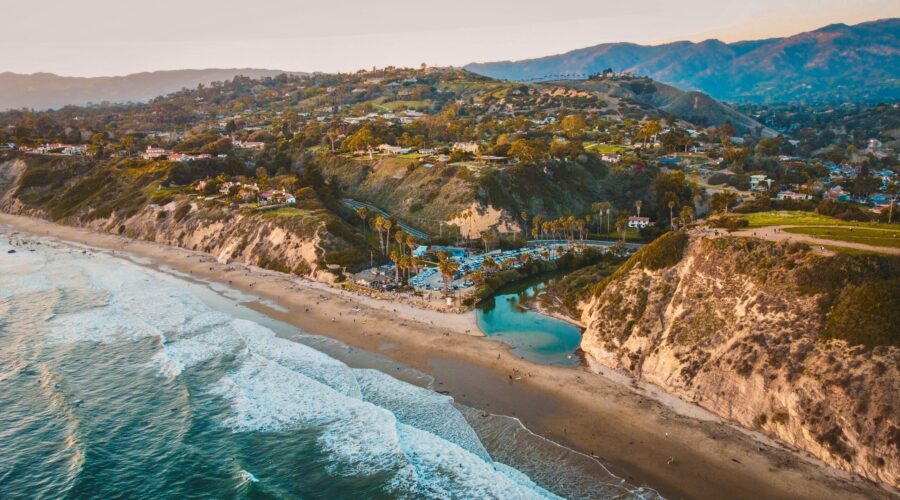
(468, 147)
(639, 222)
(152, 153)
(611, 157)
(792, 195)
(387, 149)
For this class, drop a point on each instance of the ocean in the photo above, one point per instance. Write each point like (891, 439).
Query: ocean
(119, 380)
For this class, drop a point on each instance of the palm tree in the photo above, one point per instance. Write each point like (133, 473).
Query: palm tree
(524, 216)
(537, 224)
(637, 206)
(387, 236)
(379, 227)
(620, 227)
(448, 268)
(363, 214)
(400, 238)
(395, 258)
(671, 215)
(489, 265)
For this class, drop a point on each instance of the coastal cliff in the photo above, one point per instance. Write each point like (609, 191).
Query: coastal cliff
(803, 347)
(307, 239)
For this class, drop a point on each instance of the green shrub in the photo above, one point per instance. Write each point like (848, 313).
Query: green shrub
(665, 251)
(867, 315)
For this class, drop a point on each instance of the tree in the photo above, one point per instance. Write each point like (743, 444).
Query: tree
(230, 127)
(637, 206)
(687, 214)
(527, 152)
(573, 126)
(524, 216)
(448, 268)
(671, 213)
(649, 129)
(361, 140)
(387, 224)
(395, 258)
(722, 200)
(363, 214)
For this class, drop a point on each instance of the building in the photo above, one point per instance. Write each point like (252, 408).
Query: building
(759, 182)
(276, 196)
(467, 147)
(792, 195)
(153, 153)
(611, 157)
(387, 149)
(248, 144)
(639, 222)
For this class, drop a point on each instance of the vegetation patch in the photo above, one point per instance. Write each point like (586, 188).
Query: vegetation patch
(867, 315)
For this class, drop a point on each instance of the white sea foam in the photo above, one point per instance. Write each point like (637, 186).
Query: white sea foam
(444, 470)
(365, 422)
(420, 408)
(298, 357)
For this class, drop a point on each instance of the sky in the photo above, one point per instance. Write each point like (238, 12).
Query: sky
(116, 37)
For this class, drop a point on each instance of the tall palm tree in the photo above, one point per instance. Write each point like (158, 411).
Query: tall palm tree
(395, 258)
(448, 268)
(387, 236)
(400, 238)
(363, 214)
(524, 216)
(637, 206)
(379, 227)
(671, 214)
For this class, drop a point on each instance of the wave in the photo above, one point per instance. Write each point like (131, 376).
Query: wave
(367, 423)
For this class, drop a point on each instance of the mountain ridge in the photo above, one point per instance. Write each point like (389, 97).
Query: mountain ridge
(50, 91)
(835, 62)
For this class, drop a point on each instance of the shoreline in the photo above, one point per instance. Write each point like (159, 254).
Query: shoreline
(627, 429)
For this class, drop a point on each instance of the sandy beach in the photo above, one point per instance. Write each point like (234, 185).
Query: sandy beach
(639, 433)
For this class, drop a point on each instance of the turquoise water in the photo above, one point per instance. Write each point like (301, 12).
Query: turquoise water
(532, 335)
(121, 381)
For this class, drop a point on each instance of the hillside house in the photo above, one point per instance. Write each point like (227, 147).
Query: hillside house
(792, 195)
(759, 182)
(276, 196)
(152, 153)
(467, 147)
(387, 149)
(611, 157)
(636, 222)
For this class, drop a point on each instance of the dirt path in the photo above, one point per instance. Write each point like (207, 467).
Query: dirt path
(777, 233)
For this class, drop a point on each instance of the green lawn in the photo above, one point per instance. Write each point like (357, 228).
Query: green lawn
(603, 148)
(799, 218)
(867, 236)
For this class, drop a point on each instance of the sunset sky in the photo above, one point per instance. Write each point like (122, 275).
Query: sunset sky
(108, 37)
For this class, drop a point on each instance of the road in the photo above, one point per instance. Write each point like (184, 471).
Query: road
(354, 204)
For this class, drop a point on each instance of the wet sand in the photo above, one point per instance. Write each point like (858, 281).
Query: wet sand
(639, 433)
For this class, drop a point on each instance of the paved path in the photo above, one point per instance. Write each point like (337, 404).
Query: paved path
(593, 243)
(777, 233)
(372, 208)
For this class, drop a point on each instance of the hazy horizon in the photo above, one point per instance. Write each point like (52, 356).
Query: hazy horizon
(103, 38)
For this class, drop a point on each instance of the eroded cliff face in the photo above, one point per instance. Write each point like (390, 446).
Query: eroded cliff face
(301, 242)
(746, 329)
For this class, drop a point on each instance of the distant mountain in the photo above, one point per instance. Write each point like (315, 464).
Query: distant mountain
(834, 63)
(49, 91)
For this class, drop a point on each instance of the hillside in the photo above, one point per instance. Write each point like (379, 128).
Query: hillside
(130, 198)
(834, 63)
(49, 91)
(800, 346)
(693, 107)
